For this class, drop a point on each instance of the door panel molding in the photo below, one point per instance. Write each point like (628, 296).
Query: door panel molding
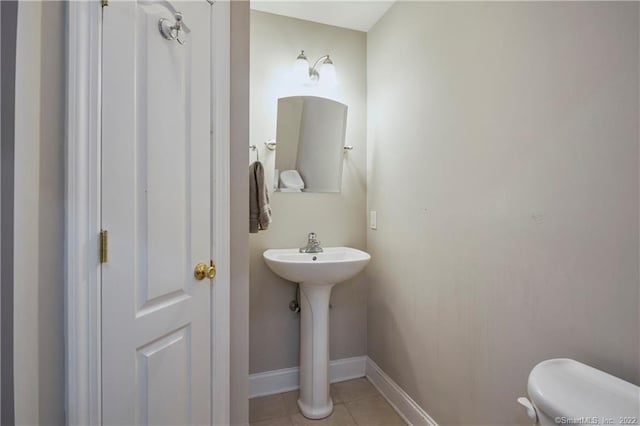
(156, 205)
(82, 217)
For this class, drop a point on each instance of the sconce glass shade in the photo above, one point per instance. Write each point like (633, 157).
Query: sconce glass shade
(301, 68)
(328, 73)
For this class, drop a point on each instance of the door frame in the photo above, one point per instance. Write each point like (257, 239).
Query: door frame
(82, 216)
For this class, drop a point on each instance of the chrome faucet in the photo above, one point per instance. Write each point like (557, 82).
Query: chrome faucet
(313, 245)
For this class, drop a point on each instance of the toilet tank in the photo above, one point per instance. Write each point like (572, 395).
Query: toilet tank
(564, 391)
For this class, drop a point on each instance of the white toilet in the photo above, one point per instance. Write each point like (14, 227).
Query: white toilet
(290, 181)
(564, 391)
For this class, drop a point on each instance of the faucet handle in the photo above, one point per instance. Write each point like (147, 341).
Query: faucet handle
(312, 236)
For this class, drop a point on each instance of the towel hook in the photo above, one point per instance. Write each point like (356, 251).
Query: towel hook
(256, 150)
(172, 32)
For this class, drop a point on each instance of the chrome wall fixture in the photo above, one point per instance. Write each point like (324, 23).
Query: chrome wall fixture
(175, 31)
(255, 149)
(321, 70)
(271, 146)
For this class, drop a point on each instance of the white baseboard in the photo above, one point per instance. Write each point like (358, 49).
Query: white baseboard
(347, 369)
(410, 411)
(287, 379)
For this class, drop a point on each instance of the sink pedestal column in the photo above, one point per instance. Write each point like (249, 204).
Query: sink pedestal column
(315, 401)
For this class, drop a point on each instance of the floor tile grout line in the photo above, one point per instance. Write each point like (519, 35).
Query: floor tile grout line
(385, 402)
(351, 415)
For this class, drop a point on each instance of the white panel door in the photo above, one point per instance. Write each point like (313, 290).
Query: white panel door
(156, 207)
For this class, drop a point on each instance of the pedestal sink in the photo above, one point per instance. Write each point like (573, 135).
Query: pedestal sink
(317, 273)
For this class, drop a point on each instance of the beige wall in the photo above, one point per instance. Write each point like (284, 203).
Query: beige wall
(503, 164)
(339, 219)
(39, 215)
(51, 214)
(239, 393)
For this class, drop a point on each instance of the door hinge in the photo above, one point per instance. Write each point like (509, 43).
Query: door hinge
(104, 246)
(105, 3)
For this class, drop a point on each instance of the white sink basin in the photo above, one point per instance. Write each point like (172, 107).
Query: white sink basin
(333, 265)
(317, 273)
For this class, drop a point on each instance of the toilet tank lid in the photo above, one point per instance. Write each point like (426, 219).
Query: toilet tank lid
(568, 388)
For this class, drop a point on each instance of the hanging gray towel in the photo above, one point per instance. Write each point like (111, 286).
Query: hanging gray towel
(259, 209)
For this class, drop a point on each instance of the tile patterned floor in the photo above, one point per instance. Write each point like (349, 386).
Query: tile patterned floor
(356, 402)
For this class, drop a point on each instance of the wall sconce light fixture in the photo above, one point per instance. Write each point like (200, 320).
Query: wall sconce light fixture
(322, 70)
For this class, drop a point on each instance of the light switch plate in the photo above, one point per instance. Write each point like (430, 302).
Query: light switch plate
(373, 219)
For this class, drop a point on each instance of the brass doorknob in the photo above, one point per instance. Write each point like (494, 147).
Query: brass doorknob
(203, 271)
